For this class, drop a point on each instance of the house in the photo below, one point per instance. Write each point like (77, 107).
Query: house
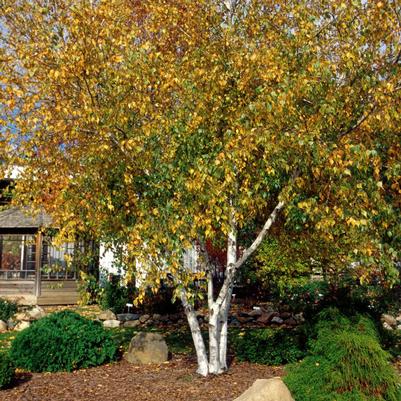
(32, 270)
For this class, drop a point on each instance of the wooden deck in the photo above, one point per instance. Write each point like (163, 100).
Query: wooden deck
(54, 292)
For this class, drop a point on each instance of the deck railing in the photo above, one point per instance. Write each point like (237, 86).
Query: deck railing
(17, 274)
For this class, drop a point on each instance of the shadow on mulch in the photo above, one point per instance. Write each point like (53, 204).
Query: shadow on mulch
(19, 379)
(175, 380)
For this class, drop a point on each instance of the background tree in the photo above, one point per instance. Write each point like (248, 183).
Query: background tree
(160, 124)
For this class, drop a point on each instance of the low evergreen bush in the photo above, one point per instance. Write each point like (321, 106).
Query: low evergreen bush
(6, 370)
(115, 295)
(268, 346)
(346, 363)
(7, 309)
(391, 341)
(62, 341)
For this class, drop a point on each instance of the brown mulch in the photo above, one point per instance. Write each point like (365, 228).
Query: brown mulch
(121, 381)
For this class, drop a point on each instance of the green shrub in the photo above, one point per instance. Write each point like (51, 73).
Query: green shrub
(346, 363)
(7, 309)
(391, 341)
(115, 296)
(62, 341)
(89, 289)
(308, 298)
(268, 346)
(371, 297)
(160, 302)
(279, 266)
(6, 370)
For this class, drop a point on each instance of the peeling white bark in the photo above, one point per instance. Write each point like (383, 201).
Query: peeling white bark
(201, 355)
(219, 308)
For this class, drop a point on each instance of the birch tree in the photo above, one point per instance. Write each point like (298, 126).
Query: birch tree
(163, 124)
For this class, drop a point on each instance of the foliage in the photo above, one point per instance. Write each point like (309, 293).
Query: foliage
(308, 298)
(160, 127)
(279, 268)
(62, 341)
(345, 363)
(268, 346)
(6, 370)
(116, 295)
(373, 297)
(160, 301)
(5, 340)
(89, 289)
(391, 341)
(305, 112)
(7, 309)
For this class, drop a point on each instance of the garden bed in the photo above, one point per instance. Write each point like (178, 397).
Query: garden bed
(172, 381)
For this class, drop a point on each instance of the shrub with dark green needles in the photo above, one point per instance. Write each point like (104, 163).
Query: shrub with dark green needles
(62, 341)
(268, 346)
(6, 370)
(7, 309)
(346, 363)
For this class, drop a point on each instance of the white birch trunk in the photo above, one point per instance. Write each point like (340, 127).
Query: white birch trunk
(219, 308)
(225, 306)
(214, 332)
(201, 355)
(214, 342)
(224, 331)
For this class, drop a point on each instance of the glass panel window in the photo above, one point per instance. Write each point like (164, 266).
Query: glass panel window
(17, 256)
(57, 261)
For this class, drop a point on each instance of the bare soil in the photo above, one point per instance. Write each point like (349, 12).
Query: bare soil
(121, 381)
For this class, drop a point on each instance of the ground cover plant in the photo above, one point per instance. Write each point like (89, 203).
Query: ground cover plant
(62, 341)
(5, 340)
(346, 363)
(268, 346)
(6, 370)
(7, 309)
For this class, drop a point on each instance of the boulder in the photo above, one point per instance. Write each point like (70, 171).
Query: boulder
(267, 390)
(107, 315)
(387, 326)
(144, 318)
(245, 319)
(234, 322)
(156, 317)
(111, 324)
(147, 348)
(255, 312)
(36, 313)
(267, 307)
(299, 317)
(22, 326)
(277, 320)
(390, 320)
(290, 322)
(131, 324)
(125, 317)
(22, 316)
(266, 317)
(3, 326)
(242, 314)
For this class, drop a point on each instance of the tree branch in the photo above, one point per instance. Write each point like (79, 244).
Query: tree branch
(272, 218)
(231, 268)
(358, 123)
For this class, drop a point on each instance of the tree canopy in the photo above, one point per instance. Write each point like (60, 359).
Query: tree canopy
(161, 123)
